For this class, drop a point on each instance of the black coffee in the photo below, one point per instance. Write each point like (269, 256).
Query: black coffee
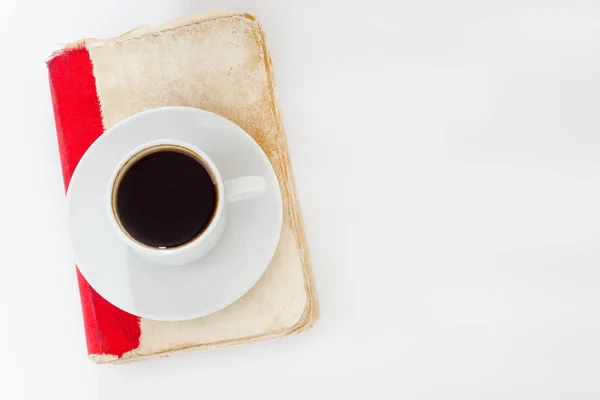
(166, 199)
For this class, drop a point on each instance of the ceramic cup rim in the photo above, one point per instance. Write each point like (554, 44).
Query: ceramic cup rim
(145, 150)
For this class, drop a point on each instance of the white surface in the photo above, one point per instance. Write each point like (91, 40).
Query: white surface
(447, 163)
(246, 233)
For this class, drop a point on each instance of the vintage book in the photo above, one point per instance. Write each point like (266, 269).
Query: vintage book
(218, 62)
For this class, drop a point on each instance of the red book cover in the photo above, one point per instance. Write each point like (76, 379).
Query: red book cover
(108, 329)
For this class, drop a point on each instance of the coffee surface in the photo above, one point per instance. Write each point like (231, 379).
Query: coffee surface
(166, 199)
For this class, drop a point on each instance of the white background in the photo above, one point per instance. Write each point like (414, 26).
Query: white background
(447, 158)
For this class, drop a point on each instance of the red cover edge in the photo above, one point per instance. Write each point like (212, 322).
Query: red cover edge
(78, 118)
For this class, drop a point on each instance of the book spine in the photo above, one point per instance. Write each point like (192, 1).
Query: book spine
(109, 330)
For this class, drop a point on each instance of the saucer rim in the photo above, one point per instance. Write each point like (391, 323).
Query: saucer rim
(208, 310)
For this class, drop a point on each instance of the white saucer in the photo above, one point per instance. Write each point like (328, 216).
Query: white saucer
(183, 292)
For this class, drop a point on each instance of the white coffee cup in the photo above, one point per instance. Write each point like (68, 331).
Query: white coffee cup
(230, 191)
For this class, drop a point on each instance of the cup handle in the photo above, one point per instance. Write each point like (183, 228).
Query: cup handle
(244, 188)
